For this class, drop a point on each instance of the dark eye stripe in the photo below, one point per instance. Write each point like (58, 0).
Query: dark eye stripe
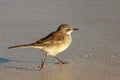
(68, 30)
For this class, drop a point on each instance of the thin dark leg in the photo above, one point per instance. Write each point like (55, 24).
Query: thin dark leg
(42, 64)
(60, 60)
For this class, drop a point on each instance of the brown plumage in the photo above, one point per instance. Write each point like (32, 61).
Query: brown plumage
(52, 44)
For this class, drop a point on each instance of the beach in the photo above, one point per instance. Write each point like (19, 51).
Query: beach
(94, 53)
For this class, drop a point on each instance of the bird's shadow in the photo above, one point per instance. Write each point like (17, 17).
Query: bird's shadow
(5, 60)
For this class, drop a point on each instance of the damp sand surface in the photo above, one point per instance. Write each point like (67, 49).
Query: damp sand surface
(93, 55)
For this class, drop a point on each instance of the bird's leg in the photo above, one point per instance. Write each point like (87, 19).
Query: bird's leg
(60, 60)
(42, 64)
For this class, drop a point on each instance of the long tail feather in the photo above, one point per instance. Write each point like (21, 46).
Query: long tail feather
(20, 46)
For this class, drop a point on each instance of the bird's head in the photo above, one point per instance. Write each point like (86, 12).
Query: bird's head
(66, 28)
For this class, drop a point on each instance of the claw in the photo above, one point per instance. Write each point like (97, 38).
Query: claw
(64, 62)
(40, 67)
(42, 64)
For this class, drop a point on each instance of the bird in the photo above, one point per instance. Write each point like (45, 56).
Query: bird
(53, 44)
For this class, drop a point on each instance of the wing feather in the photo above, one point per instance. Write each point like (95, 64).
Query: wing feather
(51, 39)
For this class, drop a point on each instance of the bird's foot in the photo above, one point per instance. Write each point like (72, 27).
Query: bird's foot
(65, 62)
(40, 67)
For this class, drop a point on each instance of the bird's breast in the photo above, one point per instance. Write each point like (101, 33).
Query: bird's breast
(64, 44)
(57, 46)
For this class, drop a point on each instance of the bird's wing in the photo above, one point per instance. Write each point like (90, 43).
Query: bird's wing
(45, 38)
(52, 38)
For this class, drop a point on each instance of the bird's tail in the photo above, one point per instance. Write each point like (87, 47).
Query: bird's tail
(21, 46)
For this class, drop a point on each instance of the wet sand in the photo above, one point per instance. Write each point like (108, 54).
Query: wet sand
(93, 55)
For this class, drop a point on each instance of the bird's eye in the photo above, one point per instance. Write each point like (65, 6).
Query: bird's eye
(67, 30)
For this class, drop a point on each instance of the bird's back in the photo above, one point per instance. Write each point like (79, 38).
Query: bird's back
(54, 43)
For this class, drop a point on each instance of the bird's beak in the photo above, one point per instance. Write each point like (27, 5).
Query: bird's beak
(75, 29)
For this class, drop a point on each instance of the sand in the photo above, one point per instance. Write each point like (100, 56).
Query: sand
(93, 55)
